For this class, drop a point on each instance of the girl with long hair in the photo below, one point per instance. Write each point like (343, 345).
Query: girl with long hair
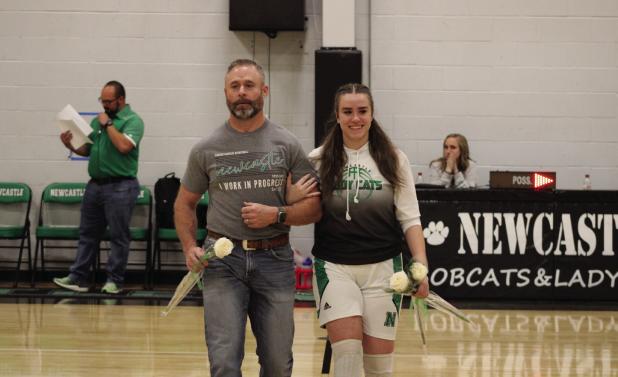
(455, 169)
(369, 209)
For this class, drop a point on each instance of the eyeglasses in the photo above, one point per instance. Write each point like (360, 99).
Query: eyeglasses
(107, 102)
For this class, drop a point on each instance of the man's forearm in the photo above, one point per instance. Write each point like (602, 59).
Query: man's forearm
(84, 150)
(186, 225)
(306, 211)
(120, 141)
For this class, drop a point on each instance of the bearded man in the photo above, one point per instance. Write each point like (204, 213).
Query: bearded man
(111, 192)
(244, 165)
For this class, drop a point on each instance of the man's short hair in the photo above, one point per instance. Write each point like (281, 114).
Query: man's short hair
(247, 62)
(118, 88)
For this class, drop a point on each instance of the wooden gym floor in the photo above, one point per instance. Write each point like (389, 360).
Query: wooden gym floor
(106, 339)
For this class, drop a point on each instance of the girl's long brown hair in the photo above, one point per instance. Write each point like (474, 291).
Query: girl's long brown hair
(463, 162)
(333, 157)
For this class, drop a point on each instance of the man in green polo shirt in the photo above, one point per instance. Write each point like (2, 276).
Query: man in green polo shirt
(111, 192)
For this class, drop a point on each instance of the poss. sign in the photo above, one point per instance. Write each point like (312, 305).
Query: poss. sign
(522, 180)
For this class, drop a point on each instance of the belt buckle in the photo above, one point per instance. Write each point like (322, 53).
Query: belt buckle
(245, 245)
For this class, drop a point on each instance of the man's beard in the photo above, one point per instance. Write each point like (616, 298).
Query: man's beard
(245, 113)
(111, 113)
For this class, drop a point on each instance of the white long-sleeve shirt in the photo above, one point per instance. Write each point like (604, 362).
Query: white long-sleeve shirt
(466, 179)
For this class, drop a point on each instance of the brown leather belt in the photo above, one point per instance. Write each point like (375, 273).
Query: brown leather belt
(265, 243)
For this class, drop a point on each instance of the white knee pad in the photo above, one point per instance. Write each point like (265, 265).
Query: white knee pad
(378, 365)
(348, 357)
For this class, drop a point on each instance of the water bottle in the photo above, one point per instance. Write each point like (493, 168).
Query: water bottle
(587, 184)
(304, 275)
(308, 263)
(419, 177)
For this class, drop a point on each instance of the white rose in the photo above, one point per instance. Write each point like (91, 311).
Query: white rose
(223, 246)
(399, 282)
(418, 271)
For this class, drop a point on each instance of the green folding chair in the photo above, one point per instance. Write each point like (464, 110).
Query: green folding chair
(15, 202)
(166, 239)
(58, 220)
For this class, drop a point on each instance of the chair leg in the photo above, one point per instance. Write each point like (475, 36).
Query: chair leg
(36, 257)
(148, 265)
(29, 254)
(43, 258)
(21, 251)
(328, 354)
(156, 261)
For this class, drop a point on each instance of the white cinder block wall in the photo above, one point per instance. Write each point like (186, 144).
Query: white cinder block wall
(532, 84)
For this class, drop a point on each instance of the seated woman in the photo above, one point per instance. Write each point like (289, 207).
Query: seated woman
(454, 169)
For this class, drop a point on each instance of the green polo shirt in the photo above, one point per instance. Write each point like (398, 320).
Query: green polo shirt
(105, 160)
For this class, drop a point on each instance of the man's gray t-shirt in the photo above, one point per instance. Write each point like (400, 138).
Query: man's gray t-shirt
(236, 167)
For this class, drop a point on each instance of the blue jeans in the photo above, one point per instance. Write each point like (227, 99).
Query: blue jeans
(260, 284)
(105, 205)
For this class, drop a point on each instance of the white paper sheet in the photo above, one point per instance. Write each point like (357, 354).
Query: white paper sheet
(69, 120)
